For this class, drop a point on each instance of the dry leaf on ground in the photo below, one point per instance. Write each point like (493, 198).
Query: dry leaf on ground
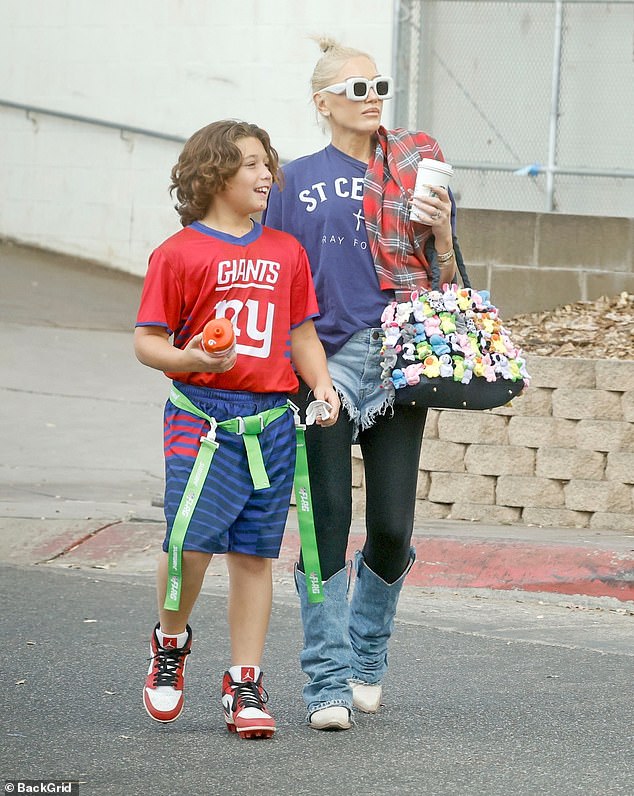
(601, 329)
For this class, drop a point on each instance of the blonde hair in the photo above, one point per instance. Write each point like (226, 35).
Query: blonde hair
(335, 55)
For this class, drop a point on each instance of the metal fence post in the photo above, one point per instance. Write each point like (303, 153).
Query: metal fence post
(554, 109)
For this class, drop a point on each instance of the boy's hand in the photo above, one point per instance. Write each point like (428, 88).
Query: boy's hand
(154, 349)
(317, 410)
(208, 363)
(329, 395)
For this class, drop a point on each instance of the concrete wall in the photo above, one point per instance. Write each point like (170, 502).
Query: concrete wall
(86, 192)
(164, 65)
(562, 455)
(176, 65)
(173, 66)
(537, 261)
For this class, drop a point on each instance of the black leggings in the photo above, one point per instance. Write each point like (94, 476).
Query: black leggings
(391, 452)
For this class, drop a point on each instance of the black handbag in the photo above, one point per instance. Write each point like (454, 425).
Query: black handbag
(446, 347)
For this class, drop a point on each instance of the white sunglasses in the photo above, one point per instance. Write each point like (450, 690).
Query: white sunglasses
(358, 88)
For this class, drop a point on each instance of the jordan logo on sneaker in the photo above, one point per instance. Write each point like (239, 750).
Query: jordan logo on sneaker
(169, 642)
(247, 674)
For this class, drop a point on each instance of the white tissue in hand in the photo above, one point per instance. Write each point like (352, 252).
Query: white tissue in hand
(317, 409)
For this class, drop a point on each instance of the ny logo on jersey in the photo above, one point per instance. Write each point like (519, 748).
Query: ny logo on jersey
(256, 331)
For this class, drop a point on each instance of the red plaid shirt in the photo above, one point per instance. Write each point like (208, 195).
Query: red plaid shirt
(396, 244)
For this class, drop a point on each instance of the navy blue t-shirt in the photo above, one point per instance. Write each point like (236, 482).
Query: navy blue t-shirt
(321, 204)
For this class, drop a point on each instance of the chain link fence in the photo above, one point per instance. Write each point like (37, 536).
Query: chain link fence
(532, 102)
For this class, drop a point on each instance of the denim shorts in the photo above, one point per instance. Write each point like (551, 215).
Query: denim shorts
(230, 516)
(356, 373)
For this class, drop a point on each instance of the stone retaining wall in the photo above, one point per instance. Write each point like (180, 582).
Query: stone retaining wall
(562, 455)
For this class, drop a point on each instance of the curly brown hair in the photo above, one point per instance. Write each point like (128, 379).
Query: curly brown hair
(209, 159)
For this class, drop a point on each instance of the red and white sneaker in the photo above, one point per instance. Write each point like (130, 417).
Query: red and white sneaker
(243, 704)
(164, 684)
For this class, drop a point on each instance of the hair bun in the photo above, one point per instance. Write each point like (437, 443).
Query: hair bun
(326, 44)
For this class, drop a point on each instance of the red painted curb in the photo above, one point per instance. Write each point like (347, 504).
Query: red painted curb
(565, 569)
(443, 562)
(108, 543)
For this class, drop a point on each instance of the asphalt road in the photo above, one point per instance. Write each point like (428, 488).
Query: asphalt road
(486, 695)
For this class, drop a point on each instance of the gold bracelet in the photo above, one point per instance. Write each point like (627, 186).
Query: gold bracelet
(444, 258)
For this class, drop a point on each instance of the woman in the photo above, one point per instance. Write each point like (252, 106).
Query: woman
(349, 205)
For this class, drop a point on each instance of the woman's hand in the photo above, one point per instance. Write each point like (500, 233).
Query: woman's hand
(435, 212)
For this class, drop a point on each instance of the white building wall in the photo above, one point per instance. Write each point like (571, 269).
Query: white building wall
(166, 65)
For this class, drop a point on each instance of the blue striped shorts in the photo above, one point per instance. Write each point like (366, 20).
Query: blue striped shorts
(230, 516)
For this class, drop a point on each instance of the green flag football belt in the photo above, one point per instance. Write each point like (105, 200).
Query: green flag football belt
(249, 428)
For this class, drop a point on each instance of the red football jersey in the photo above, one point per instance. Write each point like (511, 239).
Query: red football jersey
(261, 282)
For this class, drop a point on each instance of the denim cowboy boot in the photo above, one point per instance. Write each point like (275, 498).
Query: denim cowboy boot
(325, 657)
(372, 611)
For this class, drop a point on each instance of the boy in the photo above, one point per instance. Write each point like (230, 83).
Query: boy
(223, 264)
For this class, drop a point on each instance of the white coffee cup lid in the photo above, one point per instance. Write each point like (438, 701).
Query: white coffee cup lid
(436, 165)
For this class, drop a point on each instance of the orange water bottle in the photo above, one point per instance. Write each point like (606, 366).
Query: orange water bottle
(218, 337)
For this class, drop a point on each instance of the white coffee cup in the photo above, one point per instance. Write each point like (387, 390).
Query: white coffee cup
(430, 172)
